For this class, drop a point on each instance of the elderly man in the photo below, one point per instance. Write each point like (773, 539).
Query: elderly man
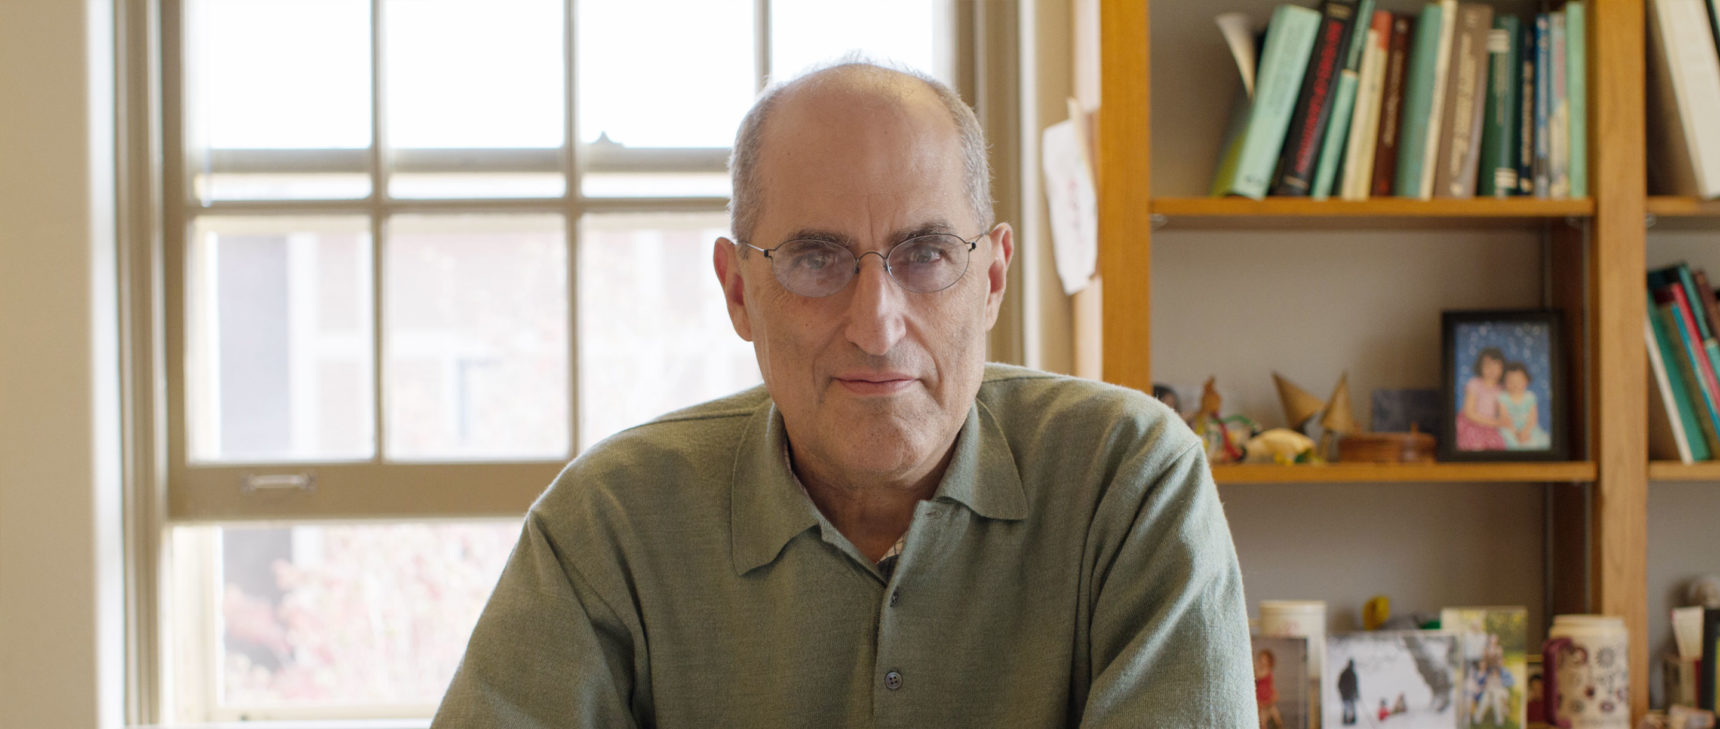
(889, 532)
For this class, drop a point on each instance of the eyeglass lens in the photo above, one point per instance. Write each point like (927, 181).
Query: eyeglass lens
(923, 265)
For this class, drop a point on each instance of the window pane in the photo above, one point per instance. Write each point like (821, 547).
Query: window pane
(655, 184)
(471, 77)
(685, 83)
(477, 337)
(279, 348)
(277, 74)
(328, 615)
(654, 334)
(913, 33)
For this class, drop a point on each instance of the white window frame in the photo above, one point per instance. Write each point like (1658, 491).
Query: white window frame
(165, 490)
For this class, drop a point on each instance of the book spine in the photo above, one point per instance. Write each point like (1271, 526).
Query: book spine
(1696, 73)
(1671, 393)
(1436, 127)
(1391, 107)
(1332, 151)
(1543, 103)
(1681, 385)
(1365, 124)
(1466, 86)
(1418, 95)
(1289, 40)
(1526, 113)
(1314, 104)
(1704, 295)
(1698, 346)
(1559, 119)
(1692, 357)
(1670, 157)
(1685, 277)
(1577, 95)
(1498, 176)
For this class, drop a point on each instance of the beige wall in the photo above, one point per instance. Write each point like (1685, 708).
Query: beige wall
(1046, 76)
(60, 583)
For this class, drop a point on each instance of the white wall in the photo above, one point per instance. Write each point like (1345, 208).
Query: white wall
(60, 582)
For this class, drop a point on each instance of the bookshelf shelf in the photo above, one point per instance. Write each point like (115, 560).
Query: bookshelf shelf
(1556, 472)
(1674, 206)
(1668, 212)
(1236, 212)
(1675, 471)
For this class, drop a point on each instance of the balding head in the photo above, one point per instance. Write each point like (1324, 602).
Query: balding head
(858, 83)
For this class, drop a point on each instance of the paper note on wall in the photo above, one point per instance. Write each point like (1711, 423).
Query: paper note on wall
(1069, 194)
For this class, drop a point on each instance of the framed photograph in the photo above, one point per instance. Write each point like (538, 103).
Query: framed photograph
(1283, 687)
(1503, 386)
(1404, 679)
(1535, 684)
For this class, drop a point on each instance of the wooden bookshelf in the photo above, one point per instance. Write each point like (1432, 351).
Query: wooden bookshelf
(1552, 472)
(1676, 471)
(1303, 213)
(1597, 267)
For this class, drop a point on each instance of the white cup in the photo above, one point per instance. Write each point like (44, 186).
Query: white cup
(1587, 661)
(1303, 618)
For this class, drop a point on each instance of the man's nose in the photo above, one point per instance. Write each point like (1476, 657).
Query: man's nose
(875, 310)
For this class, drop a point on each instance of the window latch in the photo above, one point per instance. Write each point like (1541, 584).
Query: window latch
(278, 482)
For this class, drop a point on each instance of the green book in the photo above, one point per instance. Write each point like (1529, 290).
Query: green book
(1338, 131)
(1289, 41)
(1674, 376)
(1576, 96)
(1673, 320)
(1498, 177)
(1343, 105)
(1418, 92)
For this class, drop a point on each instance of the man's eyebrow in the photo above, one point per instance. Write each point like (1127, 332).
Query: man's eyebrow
(848, 241)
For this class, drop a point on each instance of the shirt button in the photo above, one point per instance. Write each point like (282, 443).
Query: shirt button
(892, 680)
(895, 597)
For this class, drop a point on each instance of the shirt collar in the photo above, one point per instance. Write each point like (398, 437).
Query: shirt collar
(767, 509)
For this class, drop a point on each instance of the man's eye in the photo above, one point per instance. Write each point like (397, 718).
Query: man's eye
(815, 259)
(921, 255)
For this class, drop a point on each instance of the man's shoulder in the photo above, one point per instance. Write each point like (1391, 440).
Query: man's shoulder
(1020, 397)
(660, 463)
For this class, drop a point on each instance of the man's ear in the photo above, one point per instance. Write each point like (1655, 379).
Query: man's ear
(1002, 241)
(725, 258)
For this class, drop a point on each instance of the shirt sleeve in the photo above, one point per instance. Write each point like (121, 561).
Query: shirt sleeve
(547, 651)
(1169, 635)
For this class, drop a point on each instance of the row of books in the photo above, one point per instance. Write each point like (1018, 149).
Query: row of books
(1684, 97)
(1684, 356)
(1449, 102)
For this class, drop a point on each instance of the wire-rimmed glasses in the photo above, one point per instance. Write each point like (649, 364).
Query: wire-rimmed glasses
(922, 264)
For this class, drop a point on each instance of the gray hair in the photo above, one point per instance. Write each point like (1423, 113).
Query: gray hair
(744, 202)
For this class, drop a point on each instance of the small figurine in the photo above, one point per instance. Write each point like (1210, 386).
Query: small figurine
(1282, 446)
(1224, 435)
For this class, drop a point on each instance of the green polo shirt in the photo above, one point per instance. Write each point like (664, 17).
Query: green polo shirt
(1074, 568)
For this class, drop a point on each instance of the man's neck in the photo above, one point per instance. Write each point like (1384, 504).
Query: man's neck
(872, 515)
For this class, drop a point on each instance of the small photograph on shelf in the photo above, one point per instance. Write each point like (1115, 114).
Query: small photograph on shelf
(1283, 687)
(1403, 679)
(1503, 381)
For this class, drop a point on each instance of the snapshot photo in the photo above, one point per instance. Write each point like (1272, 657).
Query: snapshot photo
(1393, 679)
(1283, 687)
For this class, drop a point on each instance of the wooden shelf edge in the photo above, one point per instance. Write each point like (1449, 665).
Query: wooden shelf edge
(1561, 472)
(1676, 471)
(1207, 207)
(1674, 206)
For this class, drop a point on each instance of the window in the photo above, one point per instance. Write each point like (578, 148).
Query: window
(419, 253)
